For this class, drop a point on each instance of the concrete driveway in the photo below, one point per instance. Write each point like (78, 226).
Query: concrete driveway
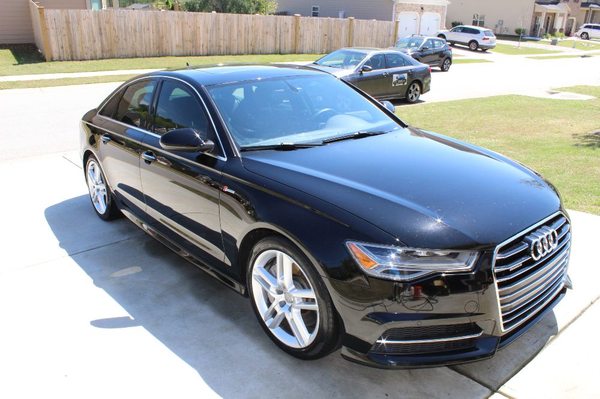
(95, 309)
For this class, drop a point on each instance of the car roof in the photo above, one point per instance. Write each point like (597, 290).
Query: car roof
(420, 37)
(475, 27)
(208, 75)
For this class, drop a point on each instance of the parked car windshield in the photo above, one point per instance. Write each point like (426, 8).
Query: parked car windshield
(296, 110)
(409, 43)
(344, 59)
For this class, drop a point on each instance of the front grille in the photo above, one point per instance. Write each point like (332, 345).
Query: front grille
(427, 339)
(526, 286)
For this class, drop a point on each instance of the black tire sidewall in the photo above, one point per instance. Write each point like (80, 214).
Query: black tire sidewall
(327, 336)
(471, 45)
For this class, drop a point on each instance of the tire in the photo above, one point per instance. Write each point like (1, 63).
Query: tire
(445, 67)
(299, 316)
(452, 44)
(473, 45)
(100, 194)
(413, 93)
(585, 36)
(442, 37)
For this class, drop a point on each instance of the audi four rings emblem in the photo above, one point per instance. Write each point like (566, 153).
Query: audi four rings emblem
(542, 242)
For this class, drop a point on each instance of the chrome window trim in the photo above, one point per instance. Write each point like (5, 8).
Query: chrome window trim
(153, 147)
(497, 248)
(103, 104)
(432, 340)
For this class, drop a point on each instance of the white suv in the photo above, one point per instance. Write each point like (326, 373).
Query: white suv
(473, 36)
(589, 31)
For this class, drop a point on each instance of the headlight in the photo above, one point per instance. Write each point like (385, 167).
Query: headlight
(403, 264)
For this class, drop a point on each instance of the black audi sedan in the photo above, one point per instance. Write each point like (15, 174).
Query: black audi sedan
(343, 225)
(432, 51)
(384, 74)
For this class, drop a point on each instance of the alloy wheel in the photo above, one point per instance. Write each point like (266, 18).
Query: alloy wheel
(285, 299)
(473, 46)
(97, 187)
(446, 65)
(414, 92)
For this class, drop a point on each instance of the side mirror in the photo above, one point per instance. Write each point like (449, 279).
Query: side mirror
(185, 139)
(389, 106)
(366, 68)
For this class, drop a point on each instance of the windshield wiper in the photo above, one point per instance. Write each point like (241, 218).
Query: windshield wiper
(352, 136)
(280, 146)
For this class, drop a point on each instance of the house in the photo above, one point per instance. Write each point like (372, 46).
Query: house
(537, 17)
(415, 16)
(15, 18)
(503, 17)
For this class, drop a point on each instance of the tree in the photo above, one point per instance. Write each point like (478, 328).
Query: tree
(232, 6)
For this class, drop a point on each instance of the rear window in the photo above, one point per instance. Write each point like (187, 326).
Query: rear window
(488, 33)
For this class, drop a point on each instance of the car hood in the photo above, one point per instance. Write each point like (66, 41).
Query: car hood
(337, 72)
(424, 189)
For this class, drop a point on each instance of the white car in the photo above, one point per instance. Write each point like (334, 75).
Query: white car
(473, 36)
(589, 31)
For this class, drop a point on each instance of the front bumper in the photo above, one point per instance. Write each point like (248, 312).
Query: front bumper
(454, 318)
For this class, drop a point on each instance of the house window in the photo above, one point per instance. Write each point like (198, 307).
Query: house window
(315, 11)
(478, 20)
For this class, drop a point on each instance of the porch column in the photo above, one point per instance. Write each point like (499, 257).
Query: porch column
(564, 22)
(542, 24)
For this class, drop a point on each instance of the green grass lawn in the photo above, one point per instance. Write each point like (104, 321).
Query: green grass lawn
(558, 57)
(511, 49)
(24, 60)
(26, 84)
(586, 45)
(559, 139)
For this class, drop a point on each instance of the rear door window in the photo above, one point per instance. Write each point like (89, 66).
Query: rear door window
(110, 107)
(134, 106)
(395, 60)
(488, 33)
(376, 62)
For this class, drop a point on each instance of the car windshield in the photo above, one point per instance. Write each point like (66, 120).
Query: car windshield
(296, 110)
(343, 59)
(409, 43)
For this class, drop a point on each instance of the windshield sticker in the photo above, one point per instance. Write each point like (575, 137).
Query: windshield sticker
(399, 80)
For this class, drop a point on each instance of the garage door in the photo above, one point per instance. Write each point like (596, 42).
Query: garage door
(430, 23)
(407, 24)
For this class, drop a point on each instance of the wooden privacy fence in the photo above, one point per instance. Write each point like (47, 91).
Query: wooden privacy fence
(117, 33)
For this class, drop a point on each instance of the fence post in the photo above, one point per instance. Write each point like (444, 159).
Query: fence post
(44, 33)
(350, 31)
(296, 33)
(396, 29)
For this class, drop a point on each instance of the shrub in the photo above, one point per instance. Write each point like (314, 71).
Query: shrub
(520, 31)
(456, 23)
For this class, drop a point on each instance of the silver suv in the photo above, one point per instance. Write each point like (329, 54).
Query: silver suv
(473, 36)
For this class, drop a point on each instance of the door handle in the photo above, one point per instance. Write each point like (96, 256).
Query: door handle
(105, 138)
(148, 157)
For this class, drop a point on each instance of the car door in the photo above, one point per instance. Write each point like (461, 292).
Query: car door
(119, 129)
(181, 188)
(455, 35)
(400, 74)
(374, 81)
(428, 52)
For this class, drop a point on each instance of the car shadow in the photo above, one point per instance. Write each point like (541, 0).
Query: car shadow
(214, 331)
